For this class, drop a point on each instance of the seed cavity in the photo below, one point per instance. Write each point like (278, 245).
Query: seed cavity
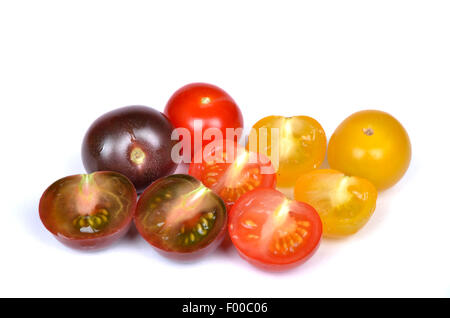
(195, 234)
(92, 223)
(285, 243)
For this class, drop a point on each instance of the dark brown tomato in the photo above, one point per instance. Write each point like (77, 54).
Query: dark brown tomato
(133, 140)
(181, 217)
(89, 211)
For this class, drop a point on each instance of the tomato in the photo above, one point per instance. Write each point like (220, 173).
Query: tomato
(181, 217)
(371, 144)
(89, 211)
(295, 145)
(233, 174)
(344, 203)
(134, 140)
(211, 106)
(273, 232)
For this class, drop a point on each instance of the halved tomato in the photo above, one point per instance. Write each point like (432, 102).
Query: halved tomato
(181, 217)
(344, 203)
(230, 171)
(273, 232)
(89, 211)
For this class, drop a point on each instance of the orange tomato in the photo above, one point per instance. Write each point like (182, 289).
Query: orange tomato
(371, 144)
(295, 145)
(344, 203)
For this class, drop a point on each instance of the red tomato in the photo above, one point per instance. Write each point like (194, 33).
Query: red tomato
(207, 103)
(273, 232)
(232, 174)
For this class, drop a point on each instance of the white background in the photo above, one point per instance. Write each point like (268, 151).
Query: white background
(64, 63)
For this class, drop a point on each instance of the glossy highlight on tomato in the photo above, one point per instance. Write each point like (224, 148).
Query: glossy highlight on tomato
(273, 232)
(133, 140)
(233, 173)
(208, 104)
(181, 217)
(295, 145)
(344, 203)
(371, 144)
(89, 211)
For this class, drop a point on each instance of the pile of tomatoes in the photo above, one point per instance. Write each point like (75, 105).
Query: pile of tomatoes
(229, 189)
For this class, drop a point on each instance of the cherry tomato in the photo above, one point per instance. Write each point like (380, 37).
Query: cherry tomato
(273, 232)
(232, 174)
(89, 211)
(208, 104)
(300, 146)
(134, 140)
(344, 203)
(371, 144)
(181, 217)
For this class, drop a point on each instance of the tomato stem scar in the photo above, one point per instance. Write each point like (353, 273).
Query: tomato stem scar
(368, 131)
(137, 156)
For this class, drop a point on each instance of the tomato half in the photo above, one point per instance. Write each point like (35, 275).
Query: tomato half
(273, 232)
(232, 174)
(344, 203)
(295, 145)
(181, 217)
(89, 211)
(209, 105)
(371, 144)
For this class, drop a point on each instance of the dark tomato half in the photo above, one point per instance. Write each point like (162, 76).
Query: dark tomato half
(134, 140)
(89, 211)
(273, 232)
(232, 173)
(181, 217)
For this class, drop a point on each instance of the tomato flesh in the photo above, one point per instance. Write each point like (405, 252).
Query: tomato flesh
(273, 232)
(232, 175)
(295, 145)
(344, 203)
(181, 217)
(89, 211)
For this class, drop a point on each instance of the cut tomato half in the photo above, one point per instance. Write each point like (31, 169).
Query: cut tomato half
(231, 171)
(273, 232)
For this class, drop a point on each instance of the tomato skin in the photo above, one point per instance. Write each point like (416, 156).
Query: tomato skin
(75, 197)
(345, 204)
(373, 145)
(133, 140)
(241, 169)
(207, 103)
(171, 209)
(263, 218)
(302, 145)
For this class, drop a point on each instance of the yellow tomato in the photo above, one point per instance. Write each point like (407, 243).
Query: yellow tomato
(371, 144)
(344, 203)
(295, 145)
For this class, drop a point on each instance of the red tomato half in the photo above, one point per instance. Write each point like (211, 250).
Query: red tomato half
(233, 173)
(206, 103)
(273, 232)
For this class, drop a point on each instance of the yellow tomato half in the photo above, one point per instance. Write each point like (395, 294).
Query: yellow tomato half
(344, 203)
(371, 144)
(295, 145)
